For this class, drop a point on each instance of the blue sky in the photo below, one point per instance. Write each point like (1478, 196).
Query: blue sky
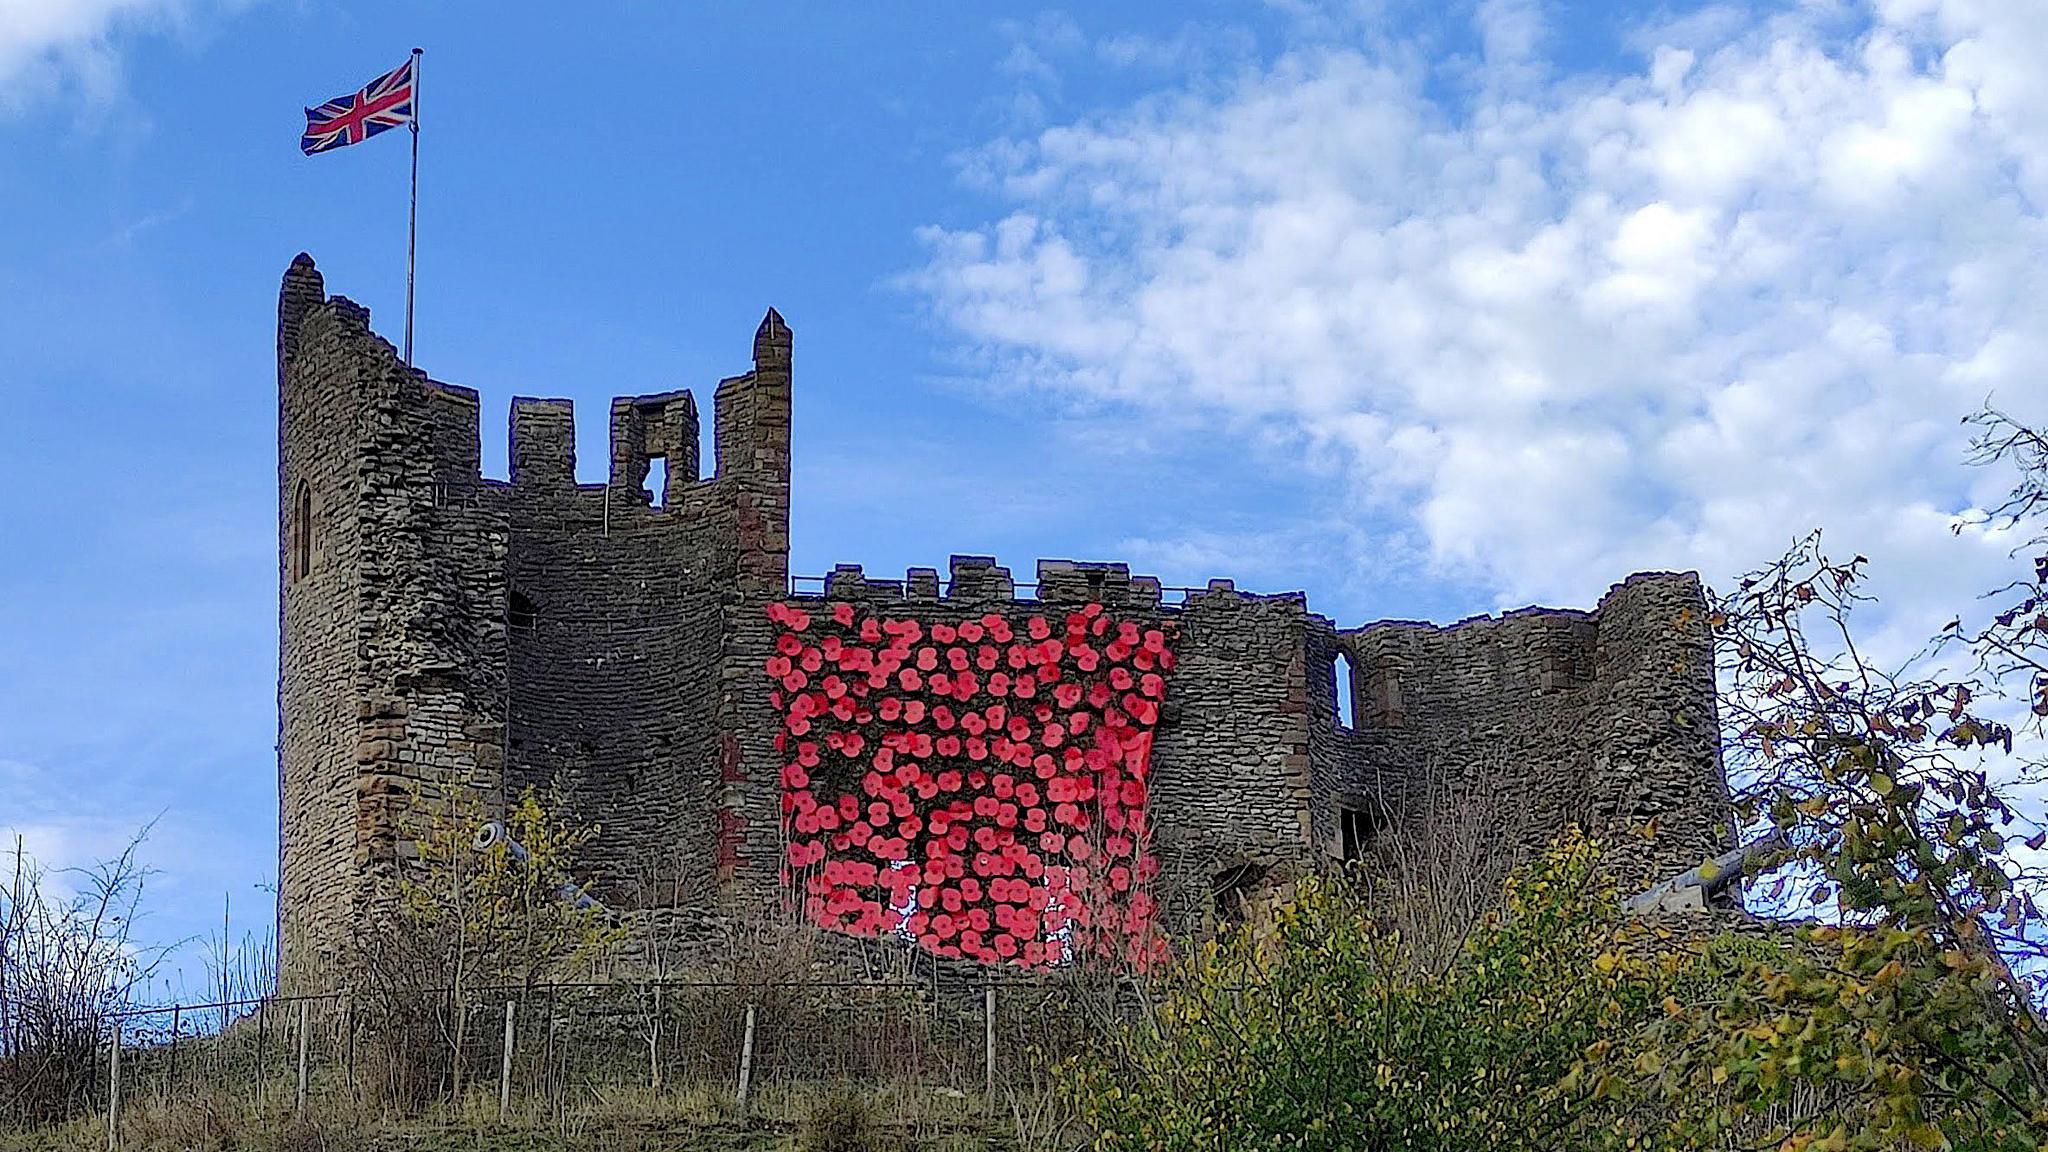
(1428, 311)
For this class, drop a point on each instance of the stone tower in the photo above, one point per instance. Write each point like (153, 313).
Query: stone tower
(439, 630)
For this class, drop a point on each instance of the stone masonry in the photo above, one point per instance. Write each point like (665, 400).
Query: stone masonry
(441, 633)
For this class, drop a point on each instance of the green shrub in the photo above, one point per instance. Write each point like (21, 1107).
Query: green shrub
(1314, 1034)
(841, 1120)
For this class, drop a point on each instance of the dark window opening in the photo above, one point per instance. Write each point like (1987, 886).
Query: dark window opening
(1356, 828)
(523, 614)
(1347, 692)
(302, 531)
(657, 481)
(1232, 889)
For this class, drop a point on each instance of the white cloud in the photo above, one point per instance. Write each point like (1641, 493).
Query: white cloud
(1574, 326)
(51, 46)
(1192, 46)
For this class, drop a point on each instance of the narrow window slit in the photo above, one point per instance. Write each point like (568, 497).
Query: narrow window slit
(302, 531)
(1346, 690)
(657, 481)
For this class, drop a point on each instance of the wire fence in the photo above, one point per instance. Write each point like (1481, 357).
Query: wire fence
(530, 1050)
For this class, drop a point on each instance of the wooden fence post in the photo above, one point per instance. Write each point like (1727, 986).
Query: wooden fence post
(549, 1081)
(114, 1090)
(505, 1067)
(348, 1028)
(176, 1013)
(305, 1030)
(262, 1042)
(988, 1045)
(747, 1063)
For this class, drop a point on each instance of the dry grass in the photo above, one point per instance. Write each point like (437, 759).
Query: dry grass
(840, 1117)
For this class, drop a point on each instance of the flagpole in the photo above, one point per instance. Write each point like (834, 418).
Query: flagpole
(412, 229)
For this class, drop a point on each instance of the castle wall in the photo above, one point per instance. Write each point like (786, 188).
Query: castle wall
(617, 641)
(391, 658)
(1659, 758)
(1229, 787)
(752, 434)
(460, 638)
(1540, 719)
(1232, 782)
(317, 697)
(432, 627)
(452, 635)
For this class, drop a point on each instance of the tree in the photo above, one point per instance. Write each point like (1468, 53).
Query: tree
(1906, 1018)
(1904, 1015)
(500, 913)
(470, 921)
(1321, 1032)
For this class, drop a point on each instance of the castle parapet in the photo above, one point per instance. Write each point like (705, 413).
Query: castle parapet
(1081, 582)
(979, 579)
(543, 447)
(650, 428)
(976, 581)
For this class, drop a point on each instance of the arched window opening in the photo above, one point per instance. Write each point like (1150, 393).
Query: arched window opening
(302, 531)
(1347, 692)
(523, 614)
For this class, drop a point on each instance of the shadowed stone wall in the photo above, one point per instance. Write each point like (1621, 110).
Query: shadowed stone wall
(1548, 718)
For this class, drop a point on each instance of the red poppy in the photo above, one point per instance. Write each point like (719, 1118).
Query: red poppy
(950, 826)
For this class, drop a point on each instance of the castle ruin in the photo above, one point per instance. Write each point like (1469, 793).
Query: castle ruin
(831, 753)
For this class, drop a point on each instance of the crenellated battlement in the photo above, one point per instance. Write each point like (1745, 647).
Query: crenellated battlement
(750, 414)
(979, 580)
(975, 581)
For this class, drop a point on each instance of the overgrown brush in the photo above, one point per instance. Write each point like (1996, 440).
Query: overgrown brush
(841, 1120)
(68, 967)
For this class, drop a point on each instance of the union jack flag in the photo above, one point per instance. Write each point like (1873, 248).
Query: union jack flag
(386, 102)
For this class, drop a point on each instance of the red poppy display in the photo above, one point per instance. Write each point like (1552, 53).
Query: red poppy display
(977, 786)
